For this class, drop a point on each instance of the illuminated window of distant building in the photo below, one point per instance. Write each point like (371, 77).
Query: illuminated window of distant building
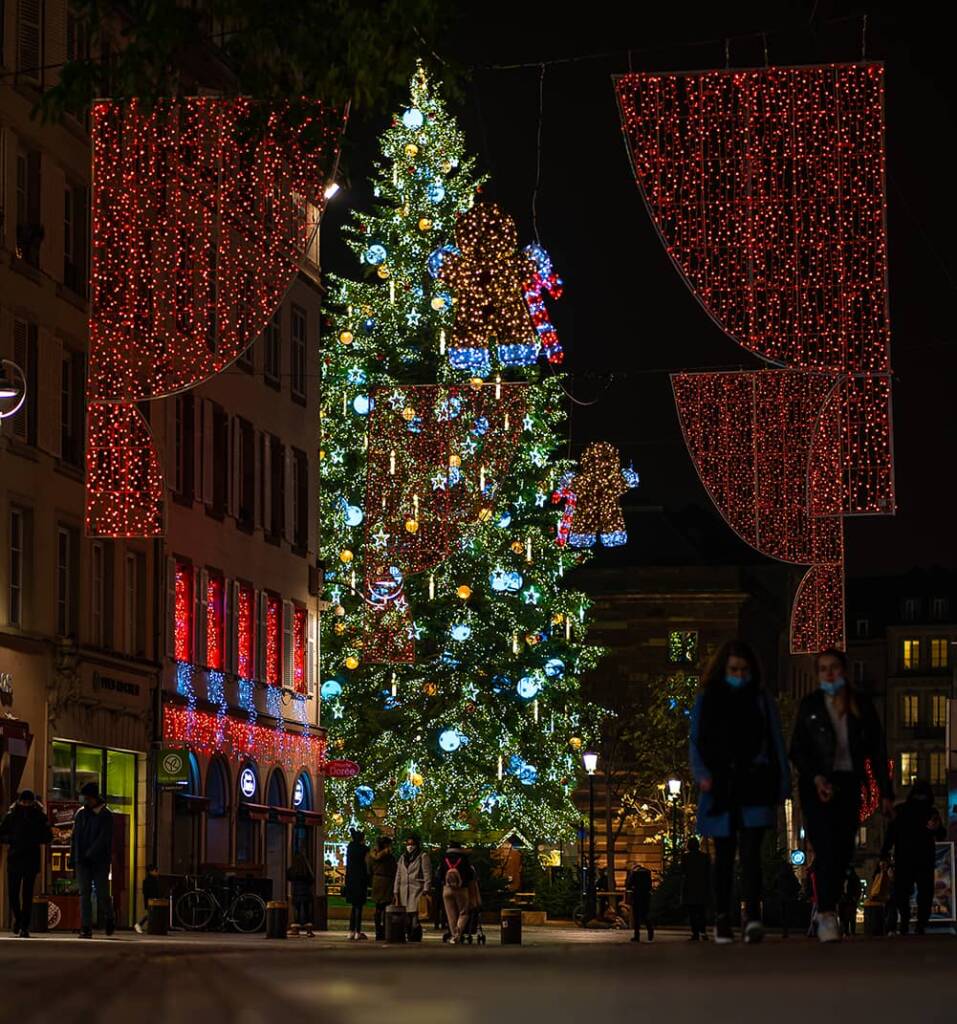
(938, 710)
(910, 654)
(244, 631)
(938, 768)
(299, 650)
(215, 603)
(683, 647)
(939, 652)
(273, 641)
(910, 710)
(908, 767)
(911, 605)
(183, 612)
(938, 608)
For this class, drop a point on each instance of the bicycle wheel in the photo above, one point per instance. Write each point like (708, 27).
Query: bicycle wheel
(578, 915)
(195, 909)
(248, 913)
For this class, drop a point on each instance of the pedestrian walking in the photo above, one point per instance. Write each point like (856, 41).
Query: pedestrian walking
(151, 891)
(382, 868)
(912, 836)
(740, 765)
(456, 875)
(412, 879)
(356, 888)
(92, 859)
(850, 900)
(696, 888)
(836, 733)
(24, 830)
(638, 884)
(302, 881)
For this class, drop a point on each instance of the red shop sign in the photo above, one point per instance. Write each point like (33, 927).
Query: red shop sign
(340, 769)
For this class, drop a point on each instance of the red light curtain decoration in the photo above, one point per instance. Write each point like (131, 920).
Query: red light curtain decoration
(436, 457)
(767, 189)
(200, 219)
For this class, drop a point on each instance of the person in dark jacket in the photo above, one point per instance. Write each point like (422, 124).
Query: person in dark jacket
(302, 880)
(454, 875)
(92, 858)
(356, 887)
(836, 733)
(151, 891)
(24, 829)
(696, 888)
(638, 885)
(850, 899)
(740, 766)
(912, 836)
(382, 868)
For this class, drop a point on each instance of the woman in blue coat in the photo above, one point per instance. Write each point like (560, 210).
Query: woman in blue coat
(741, 768)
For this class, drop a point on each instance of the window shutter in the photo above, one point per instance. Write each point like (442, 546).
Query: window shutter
(236, 440)
(50, 398)
(170, 607)
(208, 452)
(268, 524)
(201, 582)
(232, 647)
(257, 479)
(261, 637)
(21, 356)
(172, 469)
(288, 676)
(289, 469)
(311, 654)
(197, 404)
(29, 27)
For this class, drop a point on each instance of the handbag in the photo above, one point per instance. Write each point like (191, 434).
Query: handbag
(880, 891)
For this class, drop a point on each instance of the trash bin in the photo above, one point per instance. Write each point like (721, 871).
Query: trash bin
(511, 927)
(396, 924)
(277, 919)
(157, 917)
(40, 916)
(873, 918)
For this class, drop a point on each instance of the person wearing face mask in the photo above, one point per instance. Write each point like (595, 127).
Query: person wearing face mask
(913, 835)
(836, 732)
(741, 770)
(413, 877)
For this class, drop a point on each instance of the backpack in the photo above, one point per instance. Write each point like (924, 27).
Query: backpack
(452, 877)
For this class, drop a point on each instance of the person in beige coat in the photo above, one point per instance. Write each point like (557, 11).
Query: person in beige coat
(412, 880)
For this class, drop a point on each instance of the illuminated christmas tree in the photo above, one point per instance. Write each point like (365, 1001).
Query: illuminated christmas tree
(451, 661)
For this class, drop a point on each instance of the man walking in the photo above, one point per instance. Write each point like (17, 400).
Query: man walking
(25, 829)
(696, 888)
(639, 896)
(92, 857)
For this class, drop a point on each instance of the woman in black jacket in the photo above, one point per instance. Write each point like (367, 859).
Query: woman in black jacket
(836, 733)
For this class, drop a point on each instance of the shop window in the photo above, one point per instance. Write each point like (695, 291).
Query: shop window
(910, 710)
(939, 652)
(273, 640)
(183, 612)
(299, 625)
(215, 606)
(244, 631)
(910, 655)
(683, 647)
(217, 813)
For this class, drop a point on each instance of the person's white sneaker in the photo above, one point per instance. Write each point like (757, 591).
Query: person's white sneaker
(138, 928)
(828, 930)
(362, 937)
(753, 931)
(351, 936)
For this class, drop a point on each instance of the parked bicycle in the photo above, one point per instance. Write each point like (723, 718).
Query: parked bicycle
(198, 907)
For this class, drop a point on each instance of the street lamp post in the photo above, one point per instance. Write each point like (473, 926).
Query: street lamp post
(590, 760)
(674, 791)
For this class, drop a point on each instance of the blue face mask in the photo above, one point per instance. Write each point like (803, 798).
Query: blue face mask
(736, 682)
(832, 688)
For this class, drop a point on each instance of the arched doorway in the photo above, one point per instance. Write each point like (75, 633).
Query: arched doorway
(276, 833)
(217, 813)
(188, 805)
(247, 823)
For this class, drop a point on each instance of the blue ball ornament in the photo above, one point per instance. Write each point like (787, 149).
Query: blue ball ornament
(330, 689)
(354, 515)
(375, 254)
(450, 740)
(528, 687)
(554, 667)
(435, 192)
(362, 404)
(505, 520)
(413, 119)
(461, 631)
(364, 796)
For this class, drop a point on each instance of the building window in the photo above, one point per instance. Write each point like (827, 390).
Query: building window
(858, 672)
(910, 710)
(183, 612)
(97, 594)
(939, 652)
(911, 605)
(863, 627)
(938, 768)
(29, 40)
(29, 226)
(220, 459)
(300, 500)
(77, 38)
(297, 353)
(938, 710)
(24, 424)
(244, 631)
(75, 219)
(245, 360)
(273, 640)
(184, 458)
(134, 604)
(66, 579)
(938, 609)
(277, 488)
(683, 647)
(910, 655)
(17, 541)
(909, 769)
(299, 650)
(246, 470)
(215, 616)
(72, 391)
(272, 349)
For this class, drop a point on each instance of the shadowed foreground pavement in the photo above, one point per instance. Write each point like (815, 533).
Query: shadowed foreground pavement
(558, 975)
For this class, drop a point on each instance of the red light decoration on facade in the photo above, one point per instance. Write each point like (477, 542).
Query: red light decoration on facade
(200, 217)
(235, 739)
(299, 650)
(183, 612)
(436, 457)
(244, 632)
(214, 623)
(273, 641)
(871, 792)
(767, 189)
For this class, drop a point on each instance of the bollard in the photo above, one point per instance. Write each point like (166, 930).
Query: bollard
(511, 927)
(396, 924)
(157, 917)
(40, 916)
(277, 919)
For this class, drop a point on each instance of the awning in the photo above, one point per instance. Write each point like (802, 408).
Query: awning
(256, 812)
(193, 804)
(284, 815)
(310, 817)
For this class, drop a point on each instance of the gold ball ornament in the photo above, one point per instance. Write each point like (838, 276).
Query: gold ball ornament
(445, 166)
(558, 619)
(352, 661)
(322, 453)
(464, 592)
(345, 337)
(518, 547)
(430, 689)
(339, 628)
(411, 150)
(408, 413)
(475, 383)
(438, 302)
(485, 515)
(425, 224)
(412, 526)
(531, 639)
(575, 743)
(403, 211)
(345, 556)
(367, 311)
(383, 272)
(337, 817)
(340, 610)
(455, 460)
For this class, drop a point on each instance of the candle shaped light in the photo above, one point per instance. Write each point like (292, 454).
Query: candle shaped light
(499, 773)
(498, 385)
(528, 548)
(431, 587)
(415, 506)
(442, 342)
(482, 480)
(392, 292)
(391, 466)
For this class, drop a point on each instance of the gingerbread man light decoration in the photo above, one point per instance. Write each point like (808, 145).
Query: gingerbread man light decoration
(592, 499)
(488, 276)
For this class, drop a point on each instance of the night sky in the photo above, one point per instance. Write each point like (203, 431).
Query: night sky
(627, 319)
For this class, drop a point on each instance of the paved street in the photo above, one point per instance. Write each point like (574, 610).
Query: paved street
(558, 975)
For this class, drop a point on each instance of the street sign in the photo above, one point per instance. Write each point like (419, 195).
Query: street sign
(340, 769)
(172, 766)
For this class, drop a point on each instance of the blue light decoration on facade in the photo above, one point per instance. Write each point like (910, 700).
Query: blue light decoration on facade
(413, 119)
(364, 796)
(450, 740)
(362, 404)
(554, 668)
(330, 689)
(216, 695)
(461, 631)
(528, 687)
(247, 698)
(375, 254)
(274, 709)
